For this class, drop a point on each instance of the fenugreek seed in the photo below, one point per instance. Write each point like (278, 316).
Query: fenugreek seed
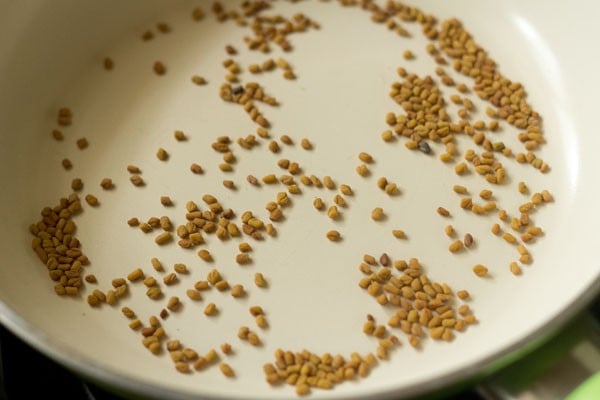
(399, 234)
(91, 278)
(377, 214)
(253, 339)
(547, 197)
(135, 324)
(226, 370)
(82, 143)
(480, 270)
(259, 280)
(365, 157)
(135, 275)
(306, 144)
(252, 180)
(205, 255)
(468, 240)
(495, 229)
(449, 230)
(509, 238)
(456, 246)
(461, 168)
(92, 200)
(137, 180)
(196, 169)
(387, 136)
(106, 184)
(57, 135)
(346, 190)
(237, 291)
(269, 179)
(443, 212)
(463, 294)
(408, 55)
(391, 189)
(362, 170)
(77, 184)
(332, 212)
(170, 279)
(515, 269)
(334, 235)
(163, 238)
(159, 68)
(210, 309)
(173, 303)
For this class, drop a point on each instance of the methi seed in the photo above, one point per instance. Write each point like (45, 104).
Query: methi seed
(106, 184)
(443, 212)
(333, 235)
(210, 309)
(92, 200)
(449, 230)
(259, 280)
(137, 180)
(346, 190)
(399, 234)
(365, 157)
(163, 238)
(480, 270)
(82, 143)
(456, 246)
(77, 184)
(226, 370)
(159, 68)
(468, 240)
(377, 214)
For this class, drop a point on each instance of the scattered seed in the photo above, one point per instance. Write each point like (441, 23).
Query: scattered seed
(468, 240)
(210, 309)
(92, 200)
(480, 270)
(377, 214)
(163, 238)
(443, 212)
(334, 235)
(399, 234)
(259, 280)
(82, 143)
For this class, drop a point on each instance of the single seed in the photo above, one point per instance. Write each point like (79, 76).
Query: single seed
(456, 246)
(468, 240)
(463, 294)
(196, 169)
(259, 280)
(480, 270)
(106, 184)
(515, 269)
(333, 235)
(449, 230)
(210, 309)
(163, 238)
(408, 55)
(159, 68)
(365, 157)
(399, 234)
(82, 143)
(346, 190)
(137, 180)
(377, 214)
(443, 212)
(509, 238)
(77, 184)
(362, 170)
(226, 370)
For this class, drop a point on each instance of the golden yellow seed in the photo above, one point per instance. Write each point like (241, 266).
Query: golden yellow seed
(346, 190)
(259, 280)
(456, 246)
(480, 270)
(210, 309)
(460, 189)
(509, 238)
(377, 214)
(226, 370)
(362, 170)
(318, 203)
(332, 212)
(269, 179)
(399, 234)
(495, 229)
(135, 275)
(461, 168)
(365, 157)
(408, 55)
(449, 230)
(328, 182)
(205, 255)
(443, 212)
(514, 268)
(387, 136)
(163, 238)
(135, 324)
(547, 197)
(463, 294)
(391, 189)
(333, 235)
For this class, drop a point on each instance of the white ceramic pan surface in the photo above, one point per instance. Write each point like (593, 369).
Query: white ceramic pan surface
(51, 56)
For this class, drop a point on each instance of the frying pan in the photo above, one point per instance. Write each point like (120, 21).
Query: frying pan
(52, 57)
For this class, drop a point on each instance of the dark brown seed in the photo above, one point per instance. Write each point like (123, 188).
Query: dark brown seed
(384, 260)
(424, 147)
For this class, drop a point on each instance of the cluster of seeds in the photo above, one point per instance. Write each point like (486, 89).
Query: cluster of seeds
(306, 370)
(57, 246)
(423, 305)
